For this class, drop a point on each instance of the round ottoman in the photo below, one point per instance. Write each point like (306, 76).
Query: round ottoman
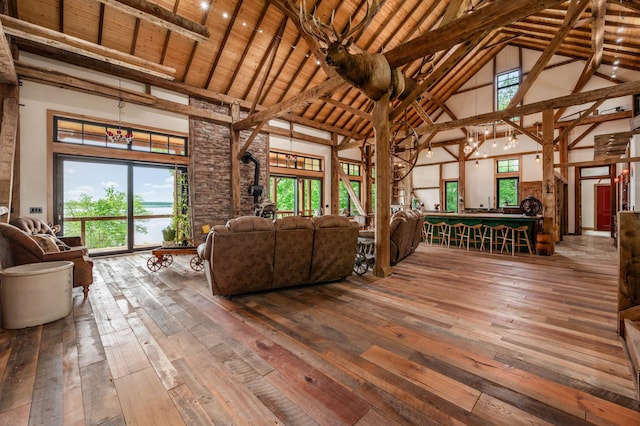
(35, 293)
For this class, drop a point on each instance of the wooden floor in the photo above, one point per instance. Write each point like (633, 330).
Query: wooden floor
(450, 338)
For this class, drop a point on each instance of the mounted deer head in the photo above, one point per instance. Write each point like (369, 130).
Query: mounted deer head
(368, 72)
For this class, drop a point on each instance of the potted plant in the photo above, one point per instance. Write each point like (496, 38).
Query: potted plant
(168, 236)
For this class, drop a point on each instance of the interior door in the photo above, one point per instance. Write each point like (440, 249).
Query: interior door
(603, 207)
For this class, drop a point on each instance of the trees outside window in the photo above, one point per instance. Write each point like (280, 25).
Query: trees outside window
(507, 179)
(451, 195)
(507, 84)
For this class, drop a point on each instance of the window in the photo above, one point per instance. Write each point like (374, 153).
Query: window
(507, 180)
(296, 183)
(115, 205)
(294, 161)
(83, 132)
(354, 172)
(451, 196)
(508, 166)
(507, 191)
(507, 84)
(296, 195)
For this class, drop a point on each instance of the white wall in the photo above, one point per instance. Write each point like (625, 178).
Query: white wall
(552, 83)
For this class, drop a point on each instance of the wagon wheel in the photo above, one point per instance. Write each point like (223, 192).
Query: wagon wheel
(167, 260)
(197, 264)
(404, 149)
(154, 264)
(360, 265)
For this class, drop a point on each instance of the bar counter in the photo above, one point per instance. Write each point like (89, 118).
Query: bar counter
(489, 219)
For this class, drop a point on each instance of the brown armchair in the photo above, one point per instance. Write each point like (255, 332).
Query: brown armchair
(32, 225)
(18, 248)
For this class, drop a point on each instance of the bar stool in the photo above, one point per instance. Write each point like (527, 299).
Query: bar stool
(455, 232)
(430, 229)
(494, 234)
(473, 234)
(519, 238)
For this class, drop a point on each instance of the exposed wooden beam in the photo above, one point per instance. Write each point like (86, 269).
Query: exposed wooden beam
(273, 130)
(161, 17)
(250, 139)
(524, 130)
(578, 121)
(574, 12)
(45, 36)
(8, 135)
(283, 107)
(598, 12)
(270, 58)
(494, 15)
(582, 81)
(343, 106)
(595, 163)
(584, 134)
(7, 67)
(623, 89)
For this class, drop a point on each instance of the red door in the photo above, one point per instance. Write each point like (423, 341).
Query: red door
(603, 207)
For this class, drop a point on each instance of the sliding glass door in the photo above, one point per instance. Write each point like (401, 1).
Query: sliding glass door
(296, 195)
(116, 206)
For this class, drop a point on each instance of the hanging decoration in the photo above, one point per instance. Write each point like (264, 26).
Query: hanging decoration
(290, 156)
(120, 135)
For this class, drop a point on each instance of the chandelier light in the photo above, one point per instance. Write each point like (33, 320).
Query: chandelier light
(120, 135)
(467, 148)
(429, 152)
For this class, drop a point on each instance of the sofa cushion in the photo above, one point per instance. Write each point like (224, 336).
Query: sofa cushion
(241, 257)
(46, 242)
(294, 244)
(334, 248)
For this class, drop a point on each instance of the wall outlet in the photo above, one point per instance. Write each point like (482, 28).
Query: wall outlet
(35, 209)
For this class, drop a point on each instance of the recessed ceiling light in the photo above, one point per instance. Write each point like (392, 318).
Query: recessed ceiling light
(225, 15)
(204, 5)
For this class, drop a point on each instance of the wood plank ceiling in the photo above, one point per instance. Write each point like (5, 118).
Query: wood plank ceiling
(253, 50)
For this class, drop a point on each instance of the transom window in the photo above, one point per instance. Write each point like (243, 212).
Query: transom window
(507, 84)
(295, 161)
(511, 165)
(84, 132)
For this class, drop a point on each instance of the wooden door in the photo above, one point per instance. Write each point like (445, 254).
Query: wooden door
(603, 207)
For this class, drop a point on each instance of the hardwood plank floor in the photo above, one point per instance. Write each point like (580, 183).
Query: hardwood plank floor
(452, 337)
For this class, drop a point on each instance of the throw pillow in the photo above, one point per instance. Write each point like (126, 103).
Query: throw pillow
(46, 242)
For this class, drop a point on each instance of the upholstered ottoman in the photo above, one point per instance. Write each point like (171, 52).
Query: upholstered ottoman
(35, 293)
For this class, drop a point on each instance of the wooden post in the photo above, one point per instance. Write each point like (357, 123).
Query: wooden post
(563, 149)
(383, 187)
(368, 181)
(462, 173)
(548, 180)
(234, 147)
(8, 146)
(335, 180)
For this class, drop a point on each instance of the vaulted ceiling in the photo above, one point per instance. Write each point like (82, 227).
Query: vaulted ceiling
(254, 50)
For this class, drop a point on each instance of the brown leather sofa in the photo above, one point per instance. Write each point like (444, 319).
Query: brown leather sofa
(405, 233)
(252, 253)
(18, 247)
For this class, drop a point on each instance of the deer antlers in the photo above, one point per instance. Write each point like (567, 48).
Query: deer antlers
(327, 33)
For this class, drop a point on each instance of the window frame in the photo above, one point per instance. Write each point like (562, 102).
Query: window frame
(499, 89)
(512, 173)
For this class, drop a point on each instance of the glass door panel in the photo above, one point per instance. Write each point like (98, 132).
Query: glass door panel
(153, 193)
(94, 203)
